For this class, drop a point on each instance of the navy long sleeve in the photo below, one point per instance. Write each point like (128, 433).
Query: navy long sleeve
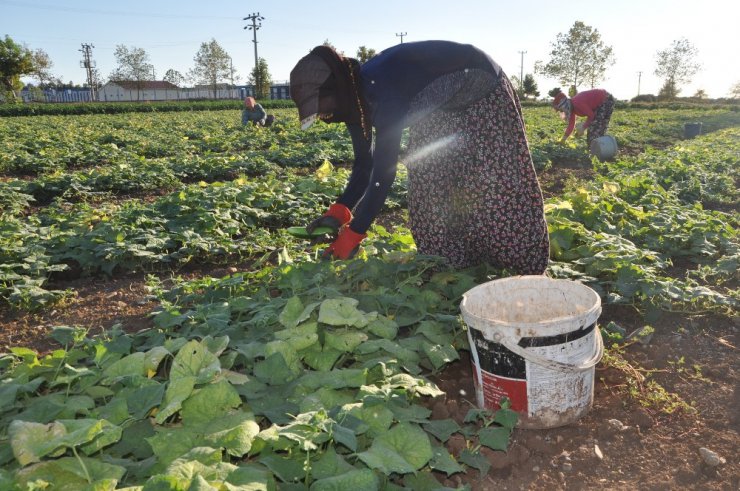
(389, 82)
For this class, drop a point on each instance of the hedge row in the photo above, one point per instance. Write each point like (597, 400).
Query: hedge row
(132, 107)
(35, 109)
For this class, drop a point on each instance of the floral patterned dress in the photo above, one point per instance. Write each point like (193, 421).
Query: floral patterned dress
(473, 192)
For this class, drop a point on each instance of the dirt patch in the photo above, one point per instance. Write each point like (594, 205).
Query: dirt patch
(94, 303)
(553, 180)
(625, 441)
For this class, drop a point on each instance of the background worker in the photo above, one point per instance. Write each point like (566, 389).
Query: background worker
(596, 105)
(255, 113)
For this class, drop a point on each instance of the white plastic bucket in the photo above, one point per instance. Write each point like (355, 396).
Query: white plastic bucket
(534, 340)
(604, 147)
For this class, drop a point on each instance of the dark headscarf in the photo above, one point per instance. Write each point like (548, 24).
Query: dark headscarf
(325, 83)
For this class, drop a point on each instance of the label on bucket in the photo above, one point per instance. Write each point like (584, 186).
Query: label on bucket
(546, 397)
(498, 373)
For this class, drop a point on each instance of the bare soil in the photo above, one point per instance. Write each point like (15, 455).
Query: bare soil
(694, 358)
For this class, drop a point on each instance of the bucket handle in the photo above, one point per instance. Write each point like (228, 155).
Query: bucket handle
(558, 365)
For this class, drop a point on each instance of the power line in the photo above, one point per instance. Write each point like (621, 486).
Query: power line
(521, 71)
(89, 64)
(254, 27)
(117, 13)
(401, 35)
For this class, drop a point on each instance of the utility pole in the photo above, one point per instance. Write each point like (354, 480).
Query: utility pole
(255, 18)
(88, 64)
(401, 35)
(639, 76)
(521, 72)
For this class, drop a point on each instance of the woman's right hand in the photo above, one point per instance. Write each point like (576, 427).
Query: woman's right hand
(335, 218)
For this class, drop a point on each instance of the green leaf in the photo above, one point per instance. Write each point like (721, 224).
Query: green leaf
(345, 341)
(300, 337)
(233, 432)
(440, 354)
(194, 360)
(423, 481)
(443, 461)
(209, 403)
(506, 417)
(383, 327)
(377, 416)
(251, 477)
(342, 312)
(442, 428)
(496, 438)
(133, 364)
(329, 464)
(403, 449)
(344, 436)
(335, 379)
(286, 469)
(140, 401)
(273, 370)
(356, 480)
(475, 460)
(153, 358)
(70, 474)
(177, 391)
(32, 441)
(294, 312)
(321, 359)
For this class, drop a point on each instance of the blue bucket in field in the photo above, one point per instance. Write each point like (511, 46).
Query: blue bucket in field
(690, 130)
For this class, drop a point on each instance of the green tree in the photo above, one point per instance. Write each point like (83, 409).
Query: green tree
(261, 80)
(668, 90)
(174, 77)
(212, 64)
(133, 65)
(700, 94)
(577, 56)
(15, 61)
(42, 68)
(677, 64)
(364, 54)
(529, 88)
(735, 91)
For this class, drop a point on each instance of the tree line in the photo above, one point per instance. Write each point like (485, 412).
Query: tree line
(578, 57)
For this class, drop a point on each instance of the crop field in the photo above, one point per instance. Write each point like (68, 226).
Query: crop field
(161, 330)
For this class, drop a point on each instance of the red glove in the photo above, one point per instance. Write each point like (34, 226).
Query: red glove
(336, 217)
(346, 245)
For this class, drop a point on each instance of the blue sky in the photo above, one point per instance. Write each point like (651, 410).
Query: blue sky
(172, 31)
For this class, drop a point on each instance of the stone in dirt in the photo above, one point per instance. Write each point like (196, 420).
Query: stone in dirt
(711, 458)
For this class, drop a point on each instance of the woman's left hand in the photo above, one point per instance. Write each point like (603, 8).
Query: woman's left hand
(346, 245)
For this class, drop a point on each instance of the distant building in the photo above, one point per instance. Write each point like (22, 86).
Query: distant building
(150, 90)
(280, 90)
(71, 94)
(145, 90)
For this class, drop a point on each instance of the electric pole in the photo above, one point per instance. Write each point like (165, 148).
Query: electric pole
(639, 76)
(255, 18)
(521, 72)
(88, 64)
(401, 35)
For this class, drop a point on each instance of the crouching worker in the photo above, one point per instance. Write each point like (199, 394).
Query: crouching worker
(255, 113)
(473, 196)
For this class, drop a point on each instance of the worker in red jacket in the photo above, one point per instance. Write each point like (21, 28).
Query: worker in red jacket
(596, 105)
